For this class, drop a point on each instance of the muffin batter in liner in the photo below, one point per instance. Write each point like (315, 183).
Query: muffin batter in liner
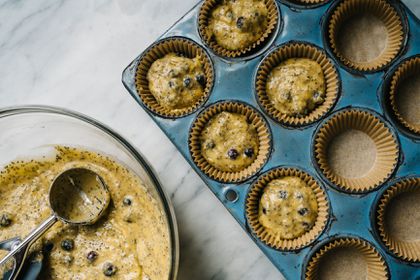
(264, 141)
(380, 9)
(407, 69)
(176, 45)
(203, 23)
(387, 149)
(406, 250)
(271, 239)
(298, 50)
(376, 266)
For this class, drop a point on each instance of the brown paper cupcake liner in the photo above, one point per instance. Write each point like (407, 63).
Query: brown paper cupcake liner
(298, 50)
(406, 250)
(387, 149)
(376, 266)
(203, 23)
(378, 8)
(264, 143)
(163, 47)
(271, 239)
(409, 68)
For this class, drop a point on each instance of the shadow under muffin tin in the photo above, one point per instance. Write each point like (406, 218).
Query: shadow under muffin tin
(352, 214)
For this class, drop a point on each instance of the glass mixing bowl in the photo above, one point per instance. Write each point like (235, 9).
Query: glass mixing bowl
(31, 131)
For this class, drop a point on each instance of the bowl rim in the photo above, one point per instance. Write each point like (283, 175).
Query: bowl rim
(167, 204)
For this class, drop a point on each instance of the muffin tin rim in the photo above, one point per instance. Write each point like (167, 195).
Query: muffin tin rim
(383, 120)
(317, 181)
(270, 52)
(198, 45)
(303, 6)
(263, 118)
(326, 42)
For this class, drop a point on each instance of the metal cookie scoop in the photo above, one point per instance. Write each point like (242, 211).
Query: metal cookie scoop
(77, 196)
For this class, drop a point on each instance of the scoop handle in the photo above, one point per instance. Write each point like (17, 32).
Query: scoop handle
(20, 250)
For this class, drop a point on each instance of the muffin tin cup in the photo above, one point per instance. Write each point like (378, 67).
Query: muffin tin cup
(405, 250)
(203, 22)
(271, 239)
(297, 50)
(387, 149)
(407, 69)
(264, 141)
(376, 269)
(178, 45)
(381, 9)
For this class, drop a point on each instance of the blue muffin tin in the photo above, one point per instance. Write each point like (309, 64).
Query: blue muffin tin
(351, 215)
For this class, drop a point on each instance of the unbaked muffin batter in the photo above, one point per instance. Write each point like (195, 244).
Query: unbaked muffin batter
(296, 86)
(131, 241)
(237, 24)
(177, 82)
(229, 142)
(288, 207)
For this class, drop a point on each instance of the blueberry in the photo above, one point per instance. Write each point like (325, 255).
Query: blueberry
(249, 152)
(127, 201)
(305, 225)
(67, 244)
(283, 194)
(5, 220)
(303, 211)
(201, 79)
(48, 246)
(233, 154)
(109, 269)
(91, 256)
(240, 22)
(187, 82)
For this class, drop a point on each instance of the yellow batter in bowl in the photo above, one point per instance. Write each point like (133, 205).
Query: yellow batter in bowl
(229, 142)
(296, 86)
(238, 24)
(288, 207)
(131, 240)
(177, 82)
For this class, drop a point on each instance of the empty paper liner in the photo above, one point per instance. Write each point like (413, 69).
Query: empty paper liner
(183, 47)
(402, 241)
(372, 266)
(298, 50)
(253, 117)
(407, 70)
(271, 238)
(208, 37)
(375, 10)
(385, 145)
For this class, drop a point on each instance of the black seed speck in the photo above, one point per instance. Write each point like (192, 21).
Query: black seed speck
(109, 269)
(305, 225)
(48, 246)
(283, 194)
(187, 82)
(91, 256)
(240, 22)
(264, 211)
(233, 154)
(249, 152)
(303, 211)
(298, 195)
(171, 84)
(67, 244)
(210, 144)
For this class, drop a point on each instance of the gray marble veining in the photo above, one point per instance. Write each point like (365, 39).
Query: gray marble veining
(71, 54)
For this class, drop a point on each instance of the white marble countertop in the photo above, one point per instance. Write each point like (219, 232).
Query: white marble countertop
(71, 54)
